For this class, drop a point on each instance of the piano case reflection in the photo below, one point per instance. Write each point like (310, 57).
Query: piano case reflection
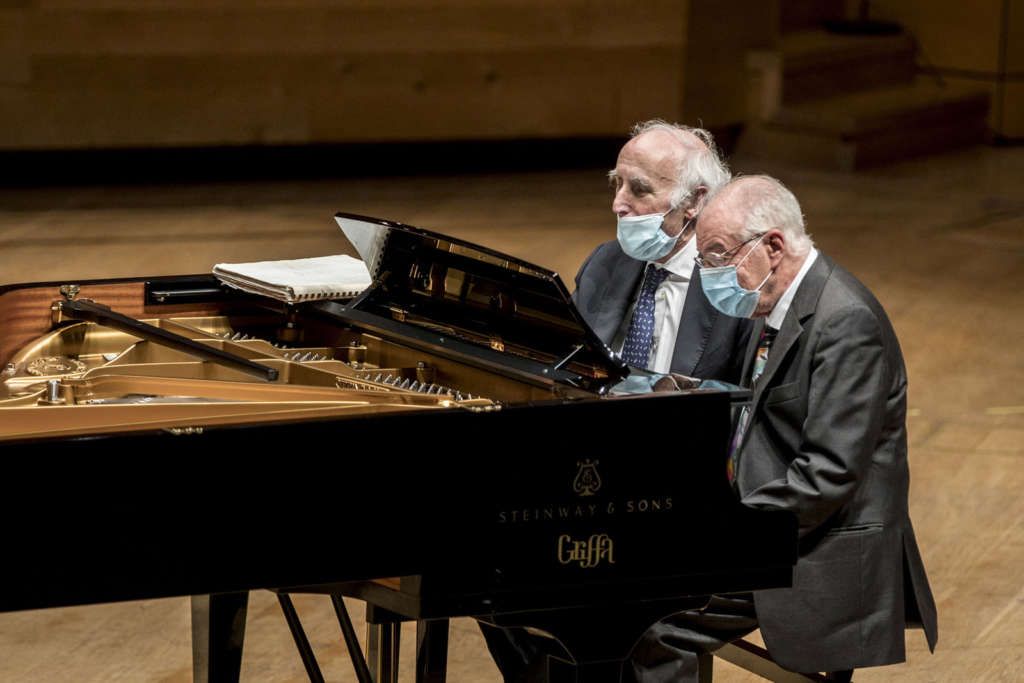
(453, 427)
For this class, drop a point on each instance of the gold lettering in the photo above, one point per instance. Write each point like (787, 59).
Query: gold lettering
(668, 503)
(589, 553)
(562, 540)
(502, 518)
(611, 508)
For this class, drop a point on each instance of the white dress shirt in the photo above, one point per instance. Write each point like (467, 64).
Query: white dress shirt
(669, 299)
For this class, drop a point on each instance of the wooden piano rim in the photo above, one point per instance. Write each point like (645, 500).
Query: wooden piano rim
(25, 311)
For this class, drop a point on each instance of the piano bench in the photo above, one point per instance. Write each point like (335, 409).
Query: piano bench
(756, 660)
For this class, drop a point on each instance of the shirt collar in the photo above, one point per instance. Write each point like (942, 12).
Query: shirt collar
(778, 313)
(681, 265)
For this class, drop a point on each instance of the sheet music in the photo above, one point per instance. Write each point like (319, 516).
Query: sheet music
(308, 279)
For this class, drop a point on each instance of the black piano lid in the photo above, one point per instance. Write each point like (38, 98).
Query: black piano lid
(462, 291)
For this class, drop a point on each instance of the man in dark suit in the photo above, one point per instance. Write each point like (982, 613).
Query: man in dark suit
(641, 295)
(824, 437)
(640, 292)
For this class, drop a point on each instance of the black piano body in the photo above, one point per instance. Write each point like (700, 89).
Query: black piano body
(519, 489)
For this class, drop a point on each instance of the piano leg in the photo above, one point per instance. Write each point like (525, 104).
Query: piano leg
(431, 651)
(383, 633)
(218, 631)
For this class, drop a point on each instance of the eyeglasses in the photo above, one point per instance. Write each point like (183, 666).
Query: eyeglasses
(713, 260)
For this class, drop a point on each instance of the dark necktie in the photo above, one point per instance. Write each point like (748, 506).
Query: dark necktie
(637, 347)
(767, 338)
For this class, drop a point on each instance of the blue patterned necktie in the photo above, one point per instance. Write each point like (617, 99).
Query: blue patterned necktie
(768, 335)
(637, 347)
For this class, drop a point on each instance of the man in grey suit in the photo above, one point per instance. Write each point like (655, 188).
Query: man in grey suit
(824, 437)
(662, 177)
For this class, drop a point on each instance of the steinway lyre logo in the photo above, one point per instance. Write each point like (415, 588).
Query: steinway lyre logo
(587, 481)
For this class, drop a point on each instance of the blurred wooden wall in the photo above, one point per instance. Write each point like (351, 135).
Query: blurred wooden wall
(139, 73)
(80, 74)
(979, 42)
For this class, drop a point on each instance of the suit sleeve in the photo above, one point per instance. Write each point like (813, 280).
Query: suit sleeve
(579, 276)
(848, 391)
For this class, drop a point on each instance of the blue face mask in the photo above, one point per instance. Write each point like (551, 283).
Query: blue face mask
(642, 238)
(724, 291)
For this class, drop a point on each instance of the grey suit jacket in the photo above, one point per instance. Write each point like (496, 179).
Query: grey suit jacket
(827, 441)
(709, 344)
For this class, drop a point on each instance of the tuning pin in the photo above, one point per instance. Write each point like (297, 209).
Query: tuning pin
(405, 384)
(414, 386)
(377, 378)
(235, 336)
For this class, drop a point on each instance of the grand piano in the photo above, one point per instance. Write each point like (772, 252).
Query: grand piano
(454, 441)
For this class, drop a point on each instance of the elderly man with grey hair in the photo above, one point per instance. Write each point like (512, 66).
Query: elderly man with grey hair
(639, 292)
(824, 437)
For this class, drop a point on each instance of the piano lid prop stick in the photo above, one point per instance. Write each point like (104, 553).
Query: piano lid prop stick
(90, 311)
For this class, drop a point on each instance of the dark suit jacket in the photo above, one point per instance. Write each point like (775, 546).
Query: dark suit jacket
(827, 440)
(709, 344)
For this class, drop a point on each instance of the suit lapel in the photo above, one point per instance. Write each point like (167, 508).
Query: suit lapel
(805, 301)
(616, 295)
(694, 327)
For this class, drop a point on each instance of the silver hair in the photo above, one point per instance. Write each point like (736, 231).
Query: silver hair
(769, 205)
(702, 167)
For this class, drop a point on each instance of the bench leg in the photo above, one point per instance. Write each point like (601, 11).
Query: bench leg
(383, 638)
(757, 660)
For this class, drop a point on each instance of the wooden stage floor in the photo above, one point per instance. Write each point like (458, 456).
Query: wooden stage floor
(940, 241)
